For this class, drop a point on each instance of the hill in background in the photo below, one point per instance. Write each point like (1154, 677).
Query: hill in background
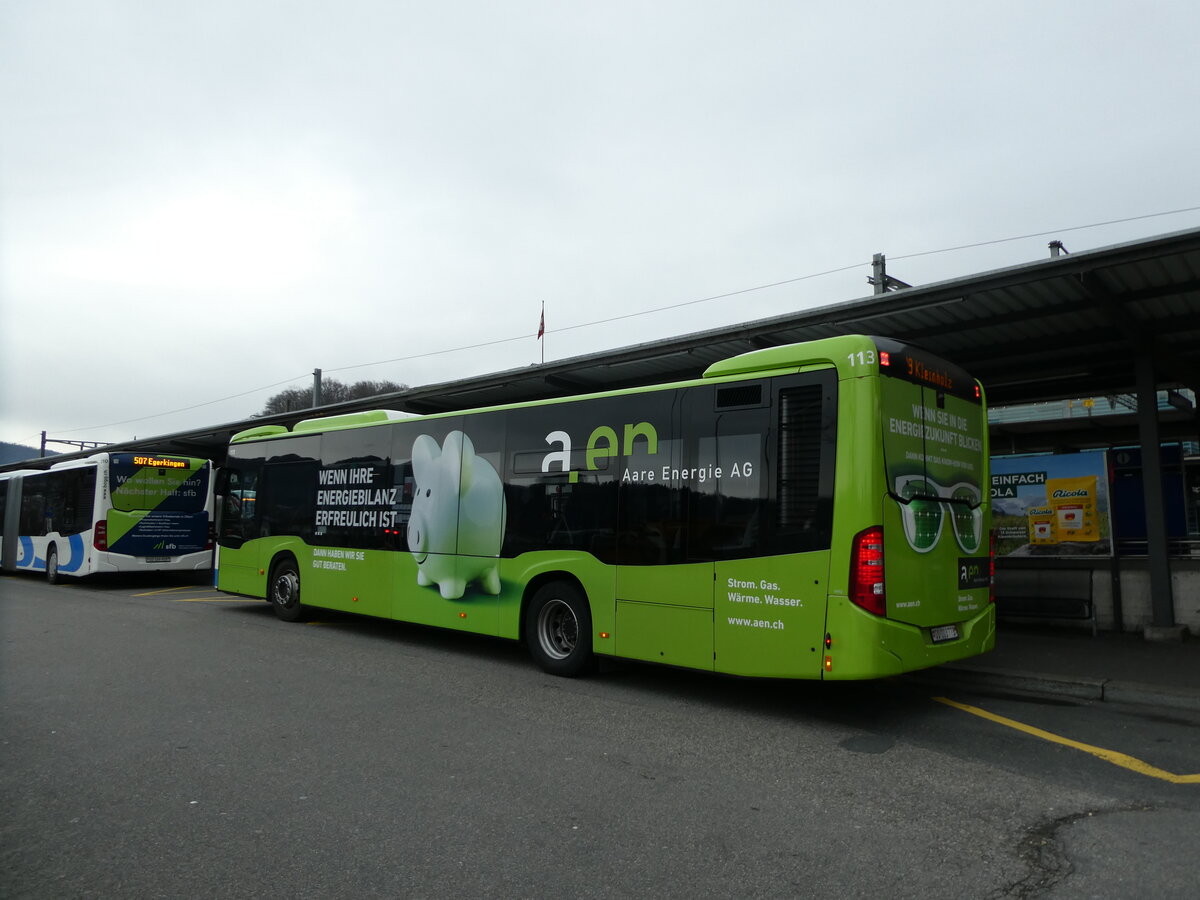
(13, 453)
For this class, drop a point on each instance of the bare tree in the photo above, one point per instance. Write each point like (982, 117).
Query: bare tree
(332, 391)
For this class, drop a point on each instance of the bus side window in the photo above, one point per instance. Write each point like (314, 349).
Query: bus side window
(69, 507)
(404, 483)
(33, 507)
(289, 489)
(80, 495)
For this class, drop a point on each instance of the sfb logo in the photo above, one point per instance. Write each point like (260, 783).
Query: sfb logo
(602, 444)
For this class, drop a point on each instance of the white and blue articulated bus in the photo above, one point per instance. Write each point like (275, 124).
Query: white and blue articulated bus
(110, 512)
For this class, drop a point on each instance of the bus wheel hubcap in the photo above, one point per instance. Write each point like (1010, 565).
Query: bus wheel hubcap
(558, 629)
(286, 588)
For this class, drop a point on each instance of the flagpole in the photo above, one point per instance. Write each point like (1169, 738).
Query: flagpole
(542, 332)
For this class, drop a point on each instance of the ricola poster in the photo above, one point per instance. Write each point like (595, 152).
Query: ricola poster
(1051, 505)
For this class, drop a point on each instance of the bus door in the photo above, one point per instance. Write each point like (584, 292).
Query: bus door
(773, 455)
(935, 545)
(663, 593)
(237, 512)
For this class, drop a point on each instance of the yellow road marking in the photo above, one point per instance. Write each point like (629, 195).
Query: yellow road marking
(172, 590)
(222, 598)
(1112, 756)
(214, 597)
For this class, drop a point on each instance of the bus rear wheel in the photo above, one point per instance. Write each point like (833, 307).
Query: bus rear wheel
(284, 591)
(558, 630)
(52, 565)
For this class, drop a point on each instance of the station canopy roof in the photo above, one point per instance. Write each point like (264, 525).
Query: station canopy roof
(1062, 327)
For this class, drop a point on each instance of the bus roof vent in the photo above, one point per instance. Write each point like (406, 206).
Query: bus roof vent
(349, 420)
(259, 431)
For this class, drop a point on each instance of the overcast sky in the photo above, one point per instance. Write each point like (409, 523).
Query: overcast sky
(203, 202)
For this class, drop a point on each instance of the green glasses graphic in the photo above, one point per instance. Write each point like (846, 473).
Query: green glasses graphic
(925, 505)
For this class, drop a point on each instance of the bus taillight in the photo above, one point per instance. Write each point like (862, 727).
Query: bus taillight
(100, 535)
(866, 570)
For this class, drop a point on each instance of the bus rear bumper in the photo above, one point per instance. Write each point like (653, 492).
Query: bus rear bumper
(865, 646)
(188, 562)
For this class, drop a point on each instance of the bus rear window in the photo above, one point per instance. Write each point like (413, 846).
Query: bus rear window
(174, 484)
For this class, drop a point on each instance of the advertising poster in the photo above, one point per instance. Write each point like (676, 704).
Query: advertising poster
(935, 455)
(1051, 505)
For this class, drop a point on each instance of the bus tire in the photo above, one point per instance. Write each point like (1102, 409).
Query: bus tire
(558, 629)
(284, 591)
(52, 575)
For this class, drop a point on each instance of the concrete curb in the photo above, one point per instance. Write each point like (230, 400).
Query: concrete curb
(1102, 689)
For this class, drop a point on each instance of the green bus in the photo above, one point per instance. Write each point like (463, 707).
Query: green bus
(816, 510)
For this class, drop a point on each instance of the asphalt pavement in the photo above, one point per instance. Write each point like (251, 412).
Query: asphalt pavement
(1119, 668)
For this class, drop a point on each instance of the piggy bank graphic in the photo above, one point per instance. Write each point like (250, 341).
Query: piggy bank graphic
(457, 522)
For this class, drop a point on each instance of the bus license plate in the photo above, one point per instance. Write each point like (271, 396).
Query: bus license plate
(157, 559)
(943, 633)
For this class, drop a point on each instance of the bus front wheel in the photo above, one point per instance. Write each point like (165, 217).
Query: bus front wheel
(285, 591)
(558, 629)
(52, 565)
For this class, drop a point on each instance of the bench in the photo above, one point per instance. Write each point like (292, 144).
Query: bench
(1045, 593)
